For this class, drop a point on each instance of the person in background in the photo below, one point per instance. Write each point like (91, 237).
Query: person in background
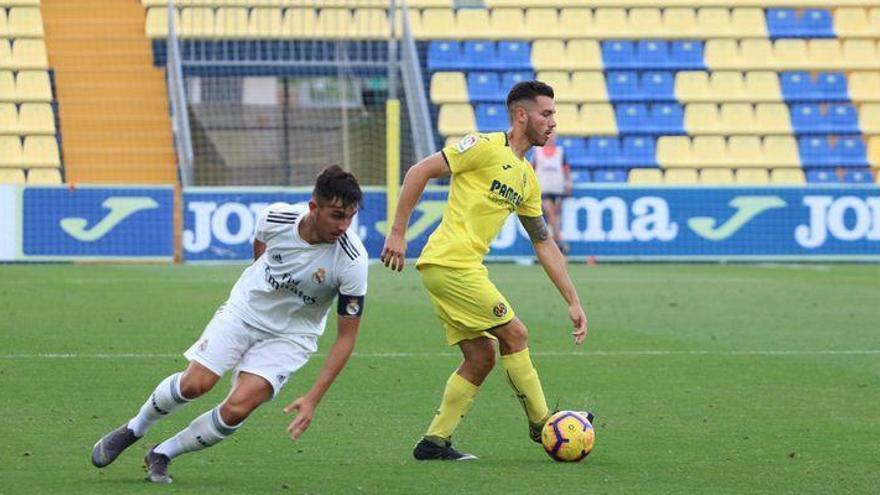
(554, 176)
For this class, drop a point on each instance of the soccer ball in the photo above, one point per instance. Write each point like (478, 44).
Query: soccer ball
(568, 436)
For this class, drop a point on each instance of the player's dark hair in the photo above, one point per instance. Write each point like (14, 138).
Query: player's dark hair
(527, 90)
(335, 183)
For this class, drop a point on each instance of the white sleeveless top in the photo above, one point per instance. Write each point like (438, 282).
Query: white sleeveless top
(549, 170)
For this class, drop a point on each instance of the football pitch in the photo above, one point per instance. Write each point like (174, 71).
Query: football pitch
(704, 379)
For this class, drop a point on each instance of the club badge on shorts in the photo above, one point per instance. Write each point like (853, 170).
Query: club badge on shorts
(499, 310)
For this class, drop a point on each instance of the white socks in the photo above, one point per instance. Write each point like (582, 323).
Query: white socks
(204, 431)
(162, 402)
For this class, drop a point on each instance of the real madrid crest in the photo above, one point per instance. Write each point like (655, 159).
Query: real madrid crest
(353, 307)
(319, 276)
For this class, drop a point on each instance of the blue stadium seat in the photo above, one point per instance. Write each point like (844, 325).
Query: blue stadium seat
(799, 86)
(580, 176)
(483, 86)
(639, 151)
(862, 176)
(604, 152)
(785, 23)
(508, 79)
(514, 55)
(817, 23)
(609, 175)
(667, 118)
(444, 55)
(782, 23)
(658, 86)
(652, 54)
(686, 55)
(844, 118)
(619, 54)
(849, 151)
(491, 117)
(831, 86)
(808, 118)
(821, 176)
(633, 118)
(815, 151)
(575, 150)
(478, 55)
(623, 86)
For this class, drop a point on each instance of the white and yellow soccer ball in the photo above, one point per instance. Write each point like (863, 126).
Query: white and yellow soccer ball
(568, 436)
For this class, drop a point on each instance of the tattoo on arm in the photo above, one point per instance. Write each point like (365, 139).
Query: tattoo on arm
(536, 227)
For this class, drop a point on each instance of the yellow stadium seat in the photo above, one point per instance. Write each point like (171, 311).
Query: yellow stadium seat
(583, 54)
(567, 119)
(772, 118)
(335, 23)
(7, 86)
(610, 23)
(299, 23)
(721, 54)
(505, 23)
(756, 54)
(29, 54)
(548, 55)
(12, 176)
(716, 176)
(371, 24)
(762, 86)
(824, 53)
(728, 86)
(8, 119)
(197, 22)
(448, 87)
(647, 22)
(874, 150)
(539, 20)
(869, 118)
(589, 86)
(41, 151)
(36, 118)
(709, 151)
(692, 86)
(701, 118)
(33, 85)
(456, 119)
(473, 24)
(714, 22)
(4, 29)
(745, 151)
(645, 176)
(157, 22)
(781, 151)
(864, 86)
(860, 54)
(44, 176)
(790, 54)
(438, 24)
(851, 22)
(787, 176)
(752, 177)
(265, 23)
(231, 22)
(561, 85)
(415, 23)
(680, 176)
(5, 55)
(597, 119)
(681, 22)
(748, 22)
(10, 151)
(25, 22)
(737, 118)
(674, 151)
(575, 22)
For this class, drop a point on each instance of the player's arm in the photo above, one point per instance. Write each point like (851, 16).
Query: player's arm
(347, 329)
(554, 264)
(434, 166)
(259, 248)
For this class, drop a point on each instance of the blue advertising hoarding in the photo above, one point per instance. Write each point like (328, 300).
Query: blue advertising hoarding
(101, 223)
(608, 222)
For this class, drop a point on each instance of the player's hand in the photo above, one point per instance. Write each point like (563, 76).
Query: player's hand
(305, 409)
(394, 252)
(579, 318)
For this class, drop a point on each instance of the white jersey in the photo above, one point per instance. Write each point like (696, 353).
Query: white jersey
(288, 290)
(549, 169)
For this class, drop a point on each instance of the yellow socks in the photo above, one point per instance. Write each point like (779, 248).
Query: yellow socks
(525, 382)
(457, 399)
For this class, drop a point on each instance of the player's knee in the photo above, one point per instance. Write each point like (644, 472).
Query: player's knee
(236, 410)
(194, 388)
(514, 338)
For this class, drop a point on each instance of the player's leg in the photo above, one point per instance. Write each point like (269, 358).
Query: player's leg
(521, 374)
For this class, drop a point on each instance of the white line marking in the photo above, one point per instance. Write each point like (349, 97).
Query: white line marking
(825, 352)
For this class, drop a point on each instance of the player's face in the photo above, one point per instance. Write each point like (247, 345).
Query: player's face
(541, 121)
(331, 218)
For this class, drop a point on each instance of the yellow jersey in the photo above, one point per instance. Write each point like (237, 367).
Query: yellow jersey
(489, 182)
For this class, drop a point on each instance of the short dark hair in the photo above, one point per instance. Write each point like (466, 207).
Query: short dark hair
(335, 183)
(527, 90)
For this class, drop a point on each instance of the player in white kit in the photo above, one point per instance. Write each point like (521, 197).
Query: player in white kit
(554, 176)
(304, 258)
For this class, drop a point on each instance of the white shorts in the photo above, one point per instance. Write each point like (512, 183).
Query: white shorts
(229, 342)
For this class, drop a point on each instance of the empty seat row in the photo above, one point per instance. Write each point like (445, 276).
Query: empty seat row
(717, 176)
(591, 54)
(35, 176)
(295, 23)
(790, 23)
(27, 119)
(735, 151)
(21, 22)
(852, 22)
(737, 118)
(849, 176)
(26, 86)
(36, 151)
(682, 3)
(792, 54)
(836, 118)
(23, 54)
(820, 151)
(292, 3)
(480, 55)
(599, 152)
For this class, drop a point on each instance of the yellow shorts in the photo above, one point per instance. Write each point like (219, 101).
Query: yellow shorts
(466, 301)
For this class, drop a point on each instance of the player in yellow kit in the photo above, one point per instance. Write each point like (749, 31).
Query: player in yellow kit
(490, 180)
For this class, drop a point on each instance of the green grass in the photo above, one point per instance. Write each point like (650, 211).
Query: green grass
(739, 391)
